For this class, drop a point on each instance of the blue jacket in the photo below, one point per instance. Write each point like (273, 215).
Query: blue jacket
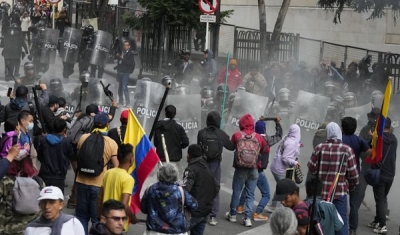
(163, 205)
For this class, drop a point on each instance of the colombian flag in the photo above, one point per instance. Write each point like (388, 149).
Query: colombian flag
(146, 157)
(377, 139)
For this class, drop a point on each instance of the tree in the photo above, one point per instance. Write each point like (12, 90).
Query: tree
(278, 28)
(376, 7)
(263, 30)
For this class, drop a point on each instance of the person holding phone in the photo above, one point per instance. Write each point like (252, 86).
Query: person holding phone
(286, 156)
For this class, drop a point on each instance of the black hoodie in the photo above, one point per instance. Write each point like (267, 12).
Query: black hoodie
(388, 169)
(175, 139)
(213, 122)
(201, 184)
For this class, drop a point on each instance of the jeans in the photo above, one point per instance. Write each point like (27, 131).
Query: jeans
(248, 178)
(341, 207)
(380, 194)
(263, 186)
(86, 207)
(123, 79)
(354, 206)
(215, 168)
(277, 179)
(198, 225)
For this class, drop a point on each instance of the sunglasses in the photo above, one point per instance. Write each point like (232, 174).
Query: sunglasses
(117, 219)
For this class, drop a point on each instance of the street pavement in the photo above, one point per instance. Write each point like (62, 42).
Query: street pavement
(223, 227)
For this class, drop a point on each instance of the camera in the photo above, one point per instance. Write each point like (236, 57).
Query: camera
(37, 87)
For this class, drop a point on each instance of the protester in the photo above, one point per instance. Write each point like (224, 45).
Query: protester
(6, 161)
(283, 222)
(164, 203)
(320, 135)
(325, 212)
(332, 153)
(388, 170)
(359, 145)
(255, 82)
(113, 217)
(54, 153)
(201, 184)
(48, 113)
(288, 193)
(118, 133)
(52, 220)
(185, 69)
(175, 137)
(89, 157)
(62, 22)
(234, 76)
(212, 140)
(246, 173)
(118, 183)
(11, 130)
(210, 69)
(126, 66)
(25, 23)
(262, 182)
(286, 156)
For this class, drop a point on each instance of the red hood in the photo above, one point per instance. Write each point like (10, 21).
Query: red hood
(246, 123)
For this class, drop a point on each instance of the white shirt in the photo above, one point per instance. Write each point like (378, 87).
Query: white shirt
(25, 22)
(71, 227)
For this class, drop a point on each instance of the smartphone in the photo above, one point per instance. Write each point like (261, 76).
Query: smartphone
(9, 91)
(290, 173)
(14, 140)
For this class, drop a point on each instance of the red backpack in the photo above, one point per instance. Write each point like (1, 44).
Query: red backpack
(247, 150)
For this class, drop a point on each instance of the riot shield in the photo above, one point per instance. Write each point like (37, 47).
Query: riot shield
(310, 110)
(49, 46)
(70, 43)
(360, 114)
(101, 48)
(97, 96)
(188, 113)
(12, 42)
(244, 103)
(147, 99)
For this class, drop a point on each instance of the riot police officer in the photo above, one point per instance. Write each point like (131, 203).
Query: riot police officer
(329, 89)
(219, 97)
(182, 89)
(376, 99)
(13, 43)
(283, 107)
(207, 104)
(118, 45)
(85, 49)
(79, 95)
(30, 78)
(36, 50)
(350, 100)
(56, 88)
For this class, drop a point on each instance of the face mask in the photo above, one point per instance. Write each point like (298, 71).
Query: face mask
(30, 126)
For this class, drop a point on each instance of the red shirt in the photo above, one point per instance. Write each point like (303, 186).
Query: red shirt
(234, 78)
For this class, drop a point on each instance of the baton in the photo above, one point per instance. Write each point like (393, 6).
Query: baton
(268, 119)
(39, 112)
(108, 93)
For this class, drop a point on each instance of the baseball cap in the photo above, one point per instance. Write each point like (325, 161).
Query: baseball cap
(52, 193)
(284, 188)
(124, 116)
(101, 118)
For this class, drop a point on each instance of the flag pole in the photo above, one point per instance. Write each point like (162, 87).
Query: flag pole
(153, 128)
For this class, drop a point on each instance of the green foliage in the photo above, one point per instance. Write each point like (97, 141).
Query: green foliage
(376, 7)
(183, 12)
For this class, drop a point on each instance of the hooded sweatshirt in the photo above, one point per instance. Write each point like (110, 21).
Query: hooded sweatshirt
(200, 183)
(234, 78)
(213, 125)
(261, 128)
(12, 109)
(333, 131)
(211, 65)
(175, 139)
(388, 169)
(287, 151)
(320, 135)
(54, 153)
(246, 125)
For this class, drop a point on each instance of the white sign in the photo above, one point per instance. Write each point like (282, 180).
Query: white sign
(208, 18)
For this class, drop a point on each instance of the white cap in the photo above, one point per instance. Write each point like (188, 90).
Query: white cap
(52, 193)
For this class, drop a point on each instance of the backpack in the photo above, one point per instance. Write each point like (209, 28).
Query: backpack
(210, 143)
(90, 155)
(26, 191)
(247, 150)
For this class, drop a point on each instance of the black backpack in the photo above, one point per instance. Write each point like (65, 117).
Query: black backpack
(90, 156)
(210, 143)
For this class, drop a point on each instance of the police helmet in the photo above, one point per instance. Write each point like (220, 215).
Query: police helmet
(284, 95)
(376, 98)
(125, 32)
(220, 92)
(207, 92)
(166, 80)
(89, 29)
(146, 79)
(83, 28)
(56, 84)
(85, 77)
(28, 66)
(350, 100)
(182, 89)
(329, 88)
(241, 88)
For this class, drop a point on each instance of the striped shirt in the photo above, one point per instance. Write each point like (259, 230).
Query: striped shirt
(331, 153)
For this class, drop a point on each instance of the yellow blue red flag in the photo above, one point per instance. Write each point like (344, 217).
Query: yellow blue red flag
(377, 139)
(146, 157)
